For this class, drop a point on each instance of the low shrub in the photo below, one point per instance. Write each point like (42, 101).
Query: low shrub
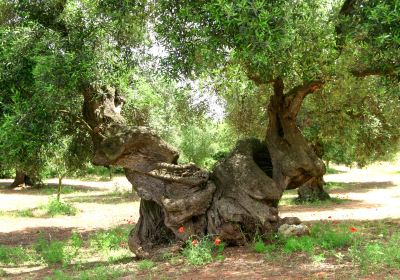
(55, 208)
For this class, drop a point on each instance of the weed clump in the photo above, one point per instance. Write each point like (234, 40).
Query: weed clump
(201, 252)
(55, 208)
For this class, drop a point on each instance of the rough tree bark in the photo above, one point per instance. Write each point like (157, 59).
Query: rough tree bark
(237, 200)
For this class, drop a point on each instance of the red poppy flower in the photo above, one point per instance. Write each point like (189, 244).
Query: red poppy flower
(194, 242)
(217, 241)
(353, 229)
(181, 230)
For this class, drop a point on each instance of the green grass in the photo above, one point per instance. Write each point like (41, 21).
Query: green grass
(331, 170)
(369, 247)
(145, 265)
(98, 273)
(322, 237)
(337, 186)
(48, 190)
(24, 213)
(50, 209)
(16, 255)
(290, 201)
(112, 239)
(372, 256)
(259, 246)
(198, 254)
(373, 246)
(59, 252)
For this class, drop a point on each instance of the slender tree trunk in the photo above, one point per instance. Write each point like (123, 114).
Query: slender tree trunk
(60, 178)
(110, 173)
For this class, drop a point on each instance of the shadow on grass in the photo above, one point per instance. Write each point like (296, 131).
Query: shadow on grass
(109, 198)
(48, 189)
(31, 235)
(358, 187)
(332, 202)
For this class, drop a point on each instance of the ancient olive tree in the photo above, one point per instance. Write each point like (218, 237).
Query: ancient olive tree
(289, 46)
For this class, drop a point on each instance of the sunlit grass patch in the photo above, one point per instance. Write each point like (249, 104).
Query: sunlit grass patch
(374, 255)
(145, 265)
(49, 190)
(331, 170)
(50, 209)
(111, 239)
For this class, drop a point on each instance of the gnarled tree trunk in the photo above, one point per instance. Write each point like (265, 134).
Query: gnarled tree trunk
(296, 163)
(237, 200)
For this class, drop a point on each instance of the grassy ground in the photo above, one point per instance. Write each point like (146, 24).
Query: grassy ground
(337, 248)
(344, 250)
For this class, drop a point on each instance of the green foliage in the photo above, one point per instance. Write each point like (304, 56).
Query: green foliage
(15, 255)
(270, 39)
(51, 53)
(25, 213)
(364, 114)
(55, 208)
(354, 49)
(181, 115)
(372, 29)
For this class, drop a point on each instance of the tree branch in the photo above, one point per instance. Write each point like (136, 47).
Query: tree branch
(346, 10)
(86, 126)
(294, 98)
(278, 86)
(374, 72)
(258, 80)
